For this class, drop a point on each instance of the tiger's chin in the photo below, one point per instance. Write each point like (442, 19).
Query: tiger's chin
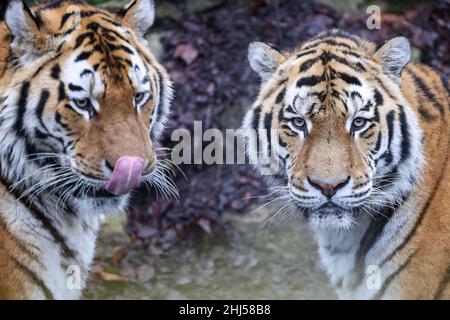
(329, 217)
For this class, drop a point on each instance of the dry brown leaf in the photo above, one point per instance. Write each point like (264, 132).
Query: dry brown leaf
(186, 52)
(111, 277)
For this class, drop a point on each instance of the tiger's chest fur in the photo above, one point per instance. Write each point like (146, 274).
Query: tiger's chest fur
(43, 254)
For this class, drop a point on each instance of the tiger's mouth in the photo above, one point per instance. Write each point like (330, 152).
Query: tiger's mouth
(329, 216)
(330, 208)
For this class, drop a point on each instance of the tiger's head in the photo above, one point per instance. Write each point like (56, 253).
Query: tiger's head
(348, 143)
(84, 98)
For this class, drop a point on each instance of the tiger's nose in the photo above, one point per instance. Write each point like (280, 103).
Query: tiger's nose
(328, 189)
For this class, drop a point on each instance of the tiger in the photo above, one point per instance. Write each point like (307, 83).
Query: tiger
(360, 155)
(83, 103)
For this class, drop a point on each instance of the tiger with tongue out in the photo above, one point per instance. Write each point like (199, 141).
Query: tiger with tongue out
(82, 102)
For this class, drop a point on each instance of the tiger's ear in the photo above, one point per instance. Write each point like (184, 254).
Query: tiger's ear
(393, 56)
(264, 59)
(23, 24)
(139, 14)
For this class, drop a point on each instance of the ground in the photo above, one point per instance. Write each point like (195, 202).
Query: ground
(250, 259)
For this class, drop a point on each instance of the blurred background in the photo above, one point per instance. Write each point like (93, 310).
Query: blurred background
(223, 238)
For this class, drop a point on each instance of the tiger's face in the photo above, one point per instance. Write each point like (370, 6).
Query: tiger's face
(98, 98)
(348, 142)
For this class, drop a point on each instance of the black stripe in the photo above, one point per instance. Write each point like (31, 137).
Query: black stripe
(113, 47)
(349, 79)
(378, 98)
(45, 94)
(74, 87)
(280, 96)
(106, 31)
(310, 81)
(332, 42)
(405, 139)
(426, 91)
(445, 83)
(442, 284)
(390, 123)
(395, 274)
(158, 109)
(22, 107)
(25, 246)
(79, 41)
(255, 120)
(64, 19)
(61, 92)
(301, 54)
(425, 115)
(85, 72)
(327, 56)
(38, 281)
(306, 65)
(124, 10)
(83, 56)
(56, 71)
(374, 230)
(267, 127)
(35, 17)
(109, 20)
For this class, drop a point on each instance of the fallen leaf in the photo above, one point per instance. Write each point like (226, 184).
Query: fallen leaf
(111, 277)
(186, 52)
(205, 225)
(119, 255)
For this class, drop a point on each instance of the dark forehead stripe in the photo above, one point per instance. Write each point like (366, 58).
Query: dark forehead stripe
(349, 79)
(109, 43)
(340, 34)
(80, 39)
(325, 57)
(84, 56)
(330, 41)
(310, 81)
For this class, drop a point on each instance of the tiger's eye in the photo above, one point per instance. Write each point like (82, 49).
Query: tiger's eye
(358, 123)
(82, 103)
(299, 122)
(139, 97)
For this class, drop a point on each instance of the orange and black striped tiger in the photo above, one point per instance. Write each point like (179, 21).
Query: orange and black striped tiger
(363, 148)
(82, 101)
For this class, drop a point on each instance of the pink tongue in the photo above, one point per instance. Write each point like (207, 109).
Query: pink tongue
(126, 175)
